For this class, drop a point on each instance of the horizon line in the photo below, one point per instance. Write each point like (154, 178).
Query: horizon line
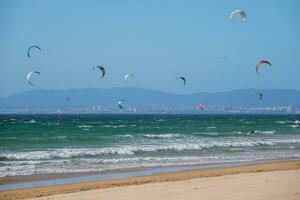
(182, 94)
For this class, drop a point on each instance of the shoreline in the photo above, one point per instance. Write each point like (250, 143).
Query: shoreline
(152, 178)
(109, 174)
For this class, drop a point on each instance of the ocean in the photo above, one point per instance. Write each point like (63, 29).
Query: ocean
(39, 144)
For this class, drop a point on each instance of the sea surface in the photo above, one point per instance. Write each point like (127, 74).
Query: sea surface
(38, 144)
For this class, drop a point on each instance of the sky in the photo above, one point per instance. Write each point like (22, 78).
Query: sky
(157, 41)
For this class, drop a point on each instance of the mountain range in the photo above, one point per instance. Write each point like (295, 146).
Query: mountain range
(144, 97)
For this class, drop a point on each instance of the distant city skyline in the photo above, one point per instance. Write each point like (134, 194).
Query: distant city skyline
(157, 41)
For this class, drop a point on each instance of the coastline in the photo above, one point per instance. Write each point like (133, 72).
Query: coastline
(111, 174)
(152, 178)
(158, 169)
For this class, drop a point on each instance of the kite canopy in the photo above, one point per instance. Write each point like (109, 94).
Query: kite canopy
(201, 106)
(67, 98)
(120, 104)
(259, 63)
(127, 76)
(240, 12)
(29, 76)
(183, 79)
(260, 96)
(102, 70)
(32, 47)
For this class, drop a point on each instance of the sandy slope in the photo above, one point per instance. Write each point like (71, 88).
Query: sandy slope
(266, 185)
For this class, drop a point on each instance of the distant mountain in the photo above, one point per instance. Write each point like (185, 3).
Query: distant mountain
(143, 97)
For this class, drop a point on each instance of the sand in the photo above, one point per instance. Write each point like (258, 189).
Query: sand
(42, 177)
(267, 185)
(278, 180)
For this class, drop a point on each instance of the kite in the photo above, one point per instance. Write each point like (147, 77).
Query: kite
(127, 76)
(102, 69)
(183, 79)
(32, 47)
(120, 104)
(260, 96)
(240, 12)
(201, 106)
(259, 63)
(29, 75)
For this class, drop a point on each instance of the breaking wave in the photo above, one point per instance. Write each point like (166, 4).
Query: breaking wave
(186, 145)
(162, 136)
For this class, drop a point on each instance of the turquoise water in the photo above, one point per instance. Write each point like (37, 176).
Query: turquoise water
(37, 144)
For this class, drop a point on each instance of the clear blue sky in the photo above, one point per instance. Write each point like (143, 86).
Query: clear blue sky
(156, 40)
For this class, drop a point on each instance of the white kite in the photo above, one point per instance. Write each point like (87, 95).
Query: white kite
(29, 76)
(240, 12)
(127, 76)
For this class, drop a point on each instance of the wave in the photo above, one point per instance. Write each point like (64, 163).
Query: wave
(122, 150)
(85, 126)
(132, 125)
(288, 122)
(159, 120)
(210, 133)
(52, 124)
(32, 121)
(15, 168)
(211, 127)
(8, 138)
(238, 132)
(113, 126)
(118, 136)
(269, 132)
(124, 136)
(281, 122)
(59, 137)
(163, 136)
(293, 126)
(63, 153)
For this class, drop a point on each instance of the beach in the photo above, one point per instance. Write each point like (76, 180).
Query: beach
(274, 180)
(42, 156)
(149, 100)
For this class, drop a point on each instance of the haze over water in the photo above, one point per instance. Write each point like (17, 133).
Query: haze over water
(38, 144)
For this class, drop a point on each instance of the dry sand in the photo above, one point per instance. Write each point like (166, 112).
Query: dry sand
(279, 180)
(267, 185)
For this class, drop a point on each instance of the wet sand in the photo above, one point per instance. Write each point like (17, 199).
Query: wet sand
(268, 180)
(41, 177)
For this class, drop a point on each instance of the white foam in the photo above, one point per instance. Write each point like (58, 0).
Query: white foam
(114, 126)
(64, 153)
(238, 132)
(15, 168)
(186, 144)
(281, 122)
(163, 136)
(211, 127)
(59, 137)
(124, 136)
(210, 133)
(32, 121)
(84, 126)
(267, 132)
(294, 126)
